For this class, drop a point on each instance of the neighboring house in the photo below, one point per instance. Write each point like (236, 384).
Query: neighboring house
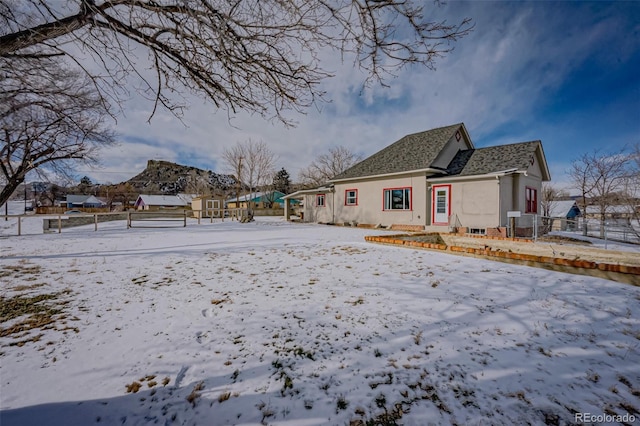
(614, 214)
(83, 201)
(436, 181)
(259, 200)
(563, 215)
(160, 202)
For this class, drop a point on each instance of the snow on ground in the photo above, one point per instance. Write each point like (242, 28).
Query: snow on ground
(599, 242)
(293, 324)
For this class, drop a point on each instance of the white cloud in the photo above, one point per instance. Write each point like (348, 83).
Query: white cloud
(504, 72)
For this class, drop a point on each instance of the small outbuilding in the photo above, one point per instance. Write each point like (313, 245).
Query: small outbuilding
(564, 215)
(208, 206)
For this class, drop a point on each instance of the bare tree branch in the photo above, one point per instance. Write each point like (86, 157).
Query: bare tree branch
(261, 56)
(253, 162)
(48, 120)
(327, 166)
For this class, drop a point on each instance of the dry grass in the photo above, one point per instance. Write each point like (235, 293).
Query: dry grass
(195, 394)
(40, 311)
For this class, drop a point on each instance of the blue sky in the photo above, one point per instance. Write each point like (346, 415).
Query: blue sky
(567, 73)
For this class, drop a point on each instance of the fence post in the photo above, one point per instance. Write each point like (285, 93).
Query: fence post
(19, 226)
(95, 221)
(59, 224)
(128, 219)
(184, 212)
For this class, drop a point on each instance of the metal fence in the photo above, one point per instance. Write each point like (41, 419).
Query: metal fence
(535, 226)
(611, 230)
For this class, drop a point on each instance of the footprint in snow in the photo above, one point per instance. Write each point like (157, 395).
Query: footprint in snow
(200, 336)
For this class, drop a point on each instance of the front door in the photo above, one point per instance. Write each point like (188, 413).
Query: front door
(441, 204)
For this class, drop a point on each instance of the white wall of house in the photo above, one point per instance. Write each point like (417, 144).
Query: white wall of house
(508, 196)
(370, 207)
(312, 212)
(474, 203)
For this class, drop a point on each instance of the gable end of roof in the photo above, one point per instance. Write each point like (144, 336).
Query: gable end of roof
(416, 151)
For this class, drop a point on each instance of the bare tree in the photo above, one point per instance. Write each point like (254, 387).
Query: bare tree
(260, 56)
(631, 192)
(550, 196)
(253, 162)
(233, 157)
(328, 165)
(601, 178)
(50, 117)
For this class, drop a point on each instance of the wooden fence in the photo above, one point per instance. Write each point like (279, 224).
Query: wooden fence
(135, 219)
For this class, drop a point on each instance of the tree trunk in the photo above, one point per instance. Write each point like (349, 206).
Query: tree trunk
(8, 190)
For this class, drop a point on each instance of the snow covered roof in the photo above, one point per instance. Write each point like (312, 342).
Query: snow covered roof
(164, 200)
(83, 199)
(611, 209)
(301, 193)
(561, 208)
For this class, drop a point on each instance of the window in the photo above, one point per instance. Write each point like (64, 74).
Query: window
(320, 200)
(531, 200)
(397, 199)
(351, 197)
(441, 201)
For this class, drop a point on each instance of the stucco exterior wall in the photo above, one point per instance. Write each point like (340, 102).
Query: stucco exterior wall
(313, 213)
(508, 188)
(476, 203)
(370, 201)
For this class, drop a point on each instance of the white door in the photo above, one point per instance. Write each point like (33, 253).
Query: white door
(441, 204)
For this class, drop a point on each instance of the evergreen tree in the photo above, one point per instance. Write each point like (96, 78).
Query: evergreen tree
(282, 181)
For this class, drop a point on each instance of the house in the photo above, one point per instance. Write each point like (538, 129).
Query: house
(436, 181)
(161, 202)
(83, 201)
(259, 200)
(615, 214)
(563, 215)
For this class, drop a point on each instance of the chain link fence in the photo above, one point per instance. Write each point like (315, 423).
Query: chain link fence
(614, 230)
(535, 226)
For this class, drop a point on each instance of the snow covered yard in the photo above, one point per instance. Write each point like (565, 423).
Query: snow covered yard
(293, 324)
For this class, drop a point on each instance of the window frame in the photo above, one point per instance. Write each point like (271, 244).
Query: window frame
(390, 190)
(346, 197)
(530, 204)
(322, 197)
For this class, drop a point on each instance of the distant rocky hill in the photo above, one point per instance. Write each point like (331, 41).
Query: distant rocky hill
(163, 177)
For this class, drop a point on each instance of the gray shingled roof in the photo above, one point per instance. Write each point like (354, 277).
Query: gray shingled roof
(492, 159)
(412, 152)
